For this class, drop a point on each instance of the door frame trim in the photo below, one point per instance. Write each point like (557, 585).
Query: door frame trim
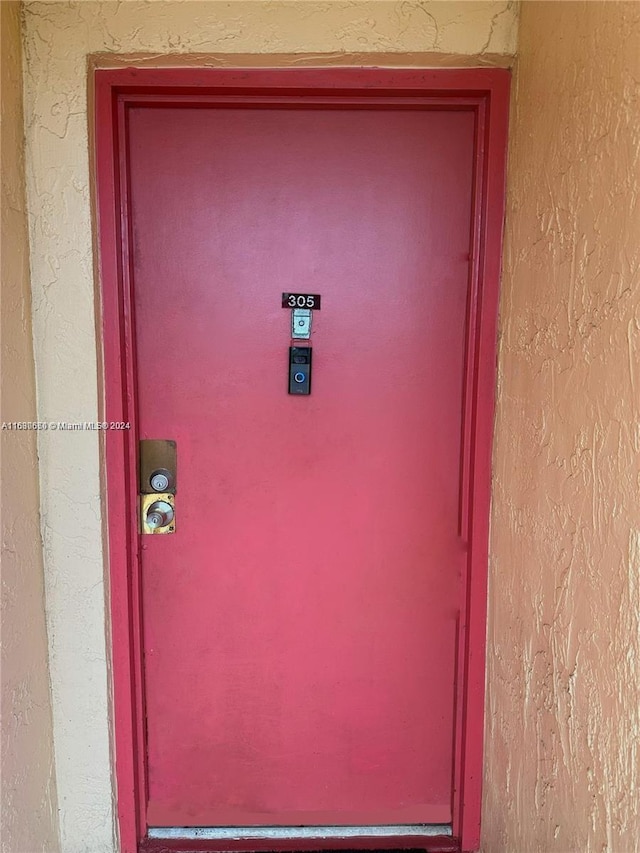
(483, 90)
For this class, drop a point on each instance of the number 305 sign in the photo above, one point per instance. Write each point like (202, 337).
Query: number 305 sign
(301, 300)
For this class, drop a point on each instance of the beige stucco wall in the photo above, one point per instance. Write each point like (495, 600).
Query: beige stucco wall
(27, 786)
(563, 728)
(58, 39)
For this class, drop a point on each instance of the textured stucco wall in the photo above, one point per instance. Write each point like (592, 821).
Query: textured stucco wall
(29, 824)
(58, 38)
(563, 727)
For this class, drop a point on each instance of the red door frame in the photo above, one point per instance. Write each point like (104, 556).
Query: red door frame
(486, 92)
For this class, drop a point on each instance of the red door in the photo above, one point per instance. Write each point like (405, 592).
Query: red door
(299, 628)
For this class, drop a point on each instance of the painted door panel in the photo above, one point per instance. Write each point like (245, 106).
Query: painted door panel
(299, 627)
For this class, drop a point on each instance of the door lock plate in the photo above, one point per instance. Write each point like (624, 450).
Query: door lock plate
(158, 466)
(157, 513)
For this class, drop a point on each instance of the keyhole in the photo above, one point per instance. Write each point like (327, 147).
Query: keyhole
(160, 480)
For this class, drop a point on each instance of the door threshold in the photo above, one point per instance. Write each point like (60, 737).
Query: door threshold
(387, 838)
(218, 833)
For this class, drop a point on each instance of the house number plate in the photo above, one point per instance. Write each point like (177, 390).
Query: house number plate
(301, 300)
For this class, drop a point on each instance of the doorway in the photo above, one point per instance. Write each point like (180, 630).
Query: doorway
(299, 657)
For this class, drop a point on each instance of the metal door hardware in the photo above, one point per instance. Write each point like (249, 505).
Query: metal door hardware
(160, 480)
(301, 323)
(158, 467)
(157, 513)
(300, 370)
(157, 485)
